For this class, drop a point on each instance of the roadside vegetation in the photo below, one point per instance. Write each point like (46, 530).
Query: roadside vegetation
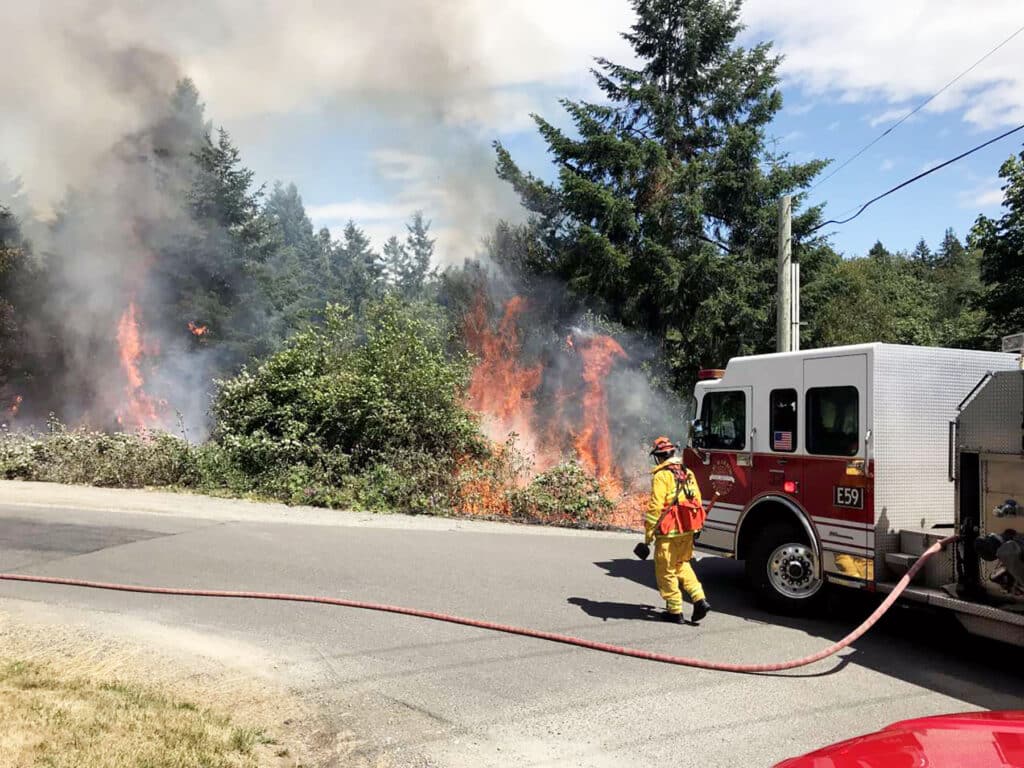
(358, 413)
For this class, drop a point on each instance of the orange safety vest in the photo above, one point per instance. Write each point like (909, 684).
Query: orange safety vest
(684, 515)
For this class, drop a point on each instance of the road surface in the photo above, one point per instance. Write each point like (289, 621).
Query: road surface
(431, 694)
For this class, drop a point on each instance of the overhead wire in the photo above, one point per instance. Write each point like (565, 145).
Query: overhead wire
(919, 176)
(914, 111)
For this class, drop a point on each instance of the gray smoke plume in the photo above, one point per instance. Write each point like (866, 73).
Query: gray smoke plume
(73, 81)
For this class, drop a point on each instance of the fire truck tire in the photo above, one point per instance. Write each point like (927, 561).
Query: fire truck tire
(782, 570)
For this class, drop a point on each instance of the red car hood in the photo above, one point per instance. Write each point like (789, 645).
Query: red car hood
(976, 739)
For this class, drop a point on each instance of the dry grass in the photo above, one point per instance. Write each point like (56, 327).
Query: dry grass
(54, 718)
(92, 690)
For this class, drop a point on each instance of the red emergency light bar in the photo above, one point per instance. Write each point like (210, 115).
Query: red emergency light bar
(710, 373)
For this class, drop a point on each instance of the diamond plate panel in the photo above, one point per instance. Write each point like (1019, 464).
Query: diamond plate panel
(991, 421)
(916, 391)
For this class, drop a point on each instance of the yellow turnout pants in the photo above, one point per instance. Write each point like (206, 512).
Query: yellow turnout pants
(671, 566)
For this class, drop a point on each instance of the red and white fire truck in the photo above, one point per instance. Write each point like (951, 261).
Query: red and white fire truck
(843, 465)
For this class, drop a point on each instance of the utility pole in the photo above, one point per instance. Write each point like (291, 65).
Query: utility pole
(784, 299)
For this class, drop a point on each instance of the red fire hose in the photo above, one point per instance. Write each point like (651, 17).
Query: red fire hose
(552, 636)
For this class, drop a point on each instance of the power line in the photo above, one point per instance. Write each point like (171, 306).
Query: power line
(914, 111)
(919, 176)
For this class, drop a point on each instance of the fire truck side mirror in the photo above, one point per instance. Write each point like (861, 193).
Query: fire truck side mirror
(697, 433)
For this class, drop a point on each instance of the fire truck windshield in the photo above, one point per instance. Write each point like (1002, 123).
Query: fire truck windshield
(724, 417)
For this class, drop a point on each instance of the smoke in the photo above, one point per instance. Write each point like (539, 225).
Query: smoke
(440, 78)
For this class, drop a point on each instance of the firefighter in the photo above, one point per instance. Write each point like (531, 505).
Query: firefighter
(674, 492)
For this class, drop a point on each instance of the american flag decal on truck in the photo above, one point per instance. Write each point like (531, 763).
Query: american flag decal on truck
(782, 441)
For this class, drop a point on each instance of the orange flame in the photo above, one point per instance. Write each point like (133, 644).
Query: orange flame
(15, 406)
(140, 410)
(593, 441)
(501, 389)
(197, 330)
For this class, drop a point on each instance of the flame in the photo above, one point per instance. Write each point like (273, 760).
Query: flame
(15, 406)
(504, 390)
(501, 389)
(139, 410)
(593, 441)
(197, 330)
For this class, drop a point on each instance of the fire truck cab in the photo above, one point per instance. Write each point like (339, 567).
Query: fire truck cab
(831, 465)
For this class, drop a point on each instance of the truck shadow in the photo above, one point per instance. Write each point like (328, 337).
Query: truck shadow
(911, 642)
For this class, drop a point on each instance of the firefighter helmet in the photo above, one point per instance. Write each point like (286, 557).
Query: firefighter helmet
(662, 445)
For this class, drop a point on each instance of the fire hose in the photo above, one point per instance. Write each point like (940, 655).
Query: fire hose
(539, 634)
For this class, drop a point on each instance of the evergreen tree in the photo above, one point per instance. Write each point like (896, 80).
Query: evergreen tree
(951, 251)
(1001, 242)
(420, 247)
(395, 261)
(879, 252)
(922, 254)
(296, 261)
(665, 207)
(957, 277)
(407, 265)
(357, 271)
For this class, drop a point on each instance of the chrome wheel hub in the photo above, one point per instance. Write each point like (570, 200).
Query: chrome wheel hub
(793, 571)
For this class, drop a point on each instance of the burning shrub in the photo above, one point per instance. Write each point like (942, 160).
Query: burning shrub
(485, 482)
(564, 495)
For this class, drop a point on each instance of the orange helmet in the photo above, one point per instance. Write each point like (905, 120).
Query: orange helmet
(663, 445)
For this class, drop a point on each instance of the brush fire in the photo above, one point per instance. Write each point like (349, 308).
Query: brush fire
(555, 409)
(138, 410)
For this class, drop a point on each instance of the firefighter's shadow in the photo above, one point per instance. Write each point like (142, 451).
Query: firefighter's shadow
(608, 610)
(729, 593)
(640, 571)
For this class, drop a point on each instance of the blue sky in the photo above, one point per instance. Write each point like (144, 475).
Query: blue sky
(376, 110)
(831, 110)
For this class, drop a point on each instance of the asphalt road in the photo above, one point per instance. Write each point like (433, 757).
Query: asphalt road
(431, 694)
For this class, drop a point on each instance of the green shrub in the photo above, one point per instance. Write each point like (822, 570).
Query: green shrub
(367, 390)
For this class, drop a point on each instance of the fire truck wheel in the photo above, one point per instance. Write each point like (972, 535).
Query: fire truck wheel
(783, 569)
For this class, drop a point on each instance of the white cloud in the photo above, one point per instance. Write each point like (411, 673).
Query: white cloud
(889, 116)
(985, 197)
(887, 165)
(800, 109)
(834, 125)
(901, 51)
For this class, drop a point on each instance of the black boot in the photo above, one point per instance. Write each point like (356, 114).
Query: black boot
(700, 610)
(674, 618)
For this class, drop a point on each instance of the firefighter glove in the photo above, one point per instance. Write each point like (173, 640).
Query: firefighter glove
(642, 551)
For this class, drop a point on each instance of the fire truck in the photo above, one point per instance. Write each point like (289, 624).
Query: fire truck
(843, 465)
